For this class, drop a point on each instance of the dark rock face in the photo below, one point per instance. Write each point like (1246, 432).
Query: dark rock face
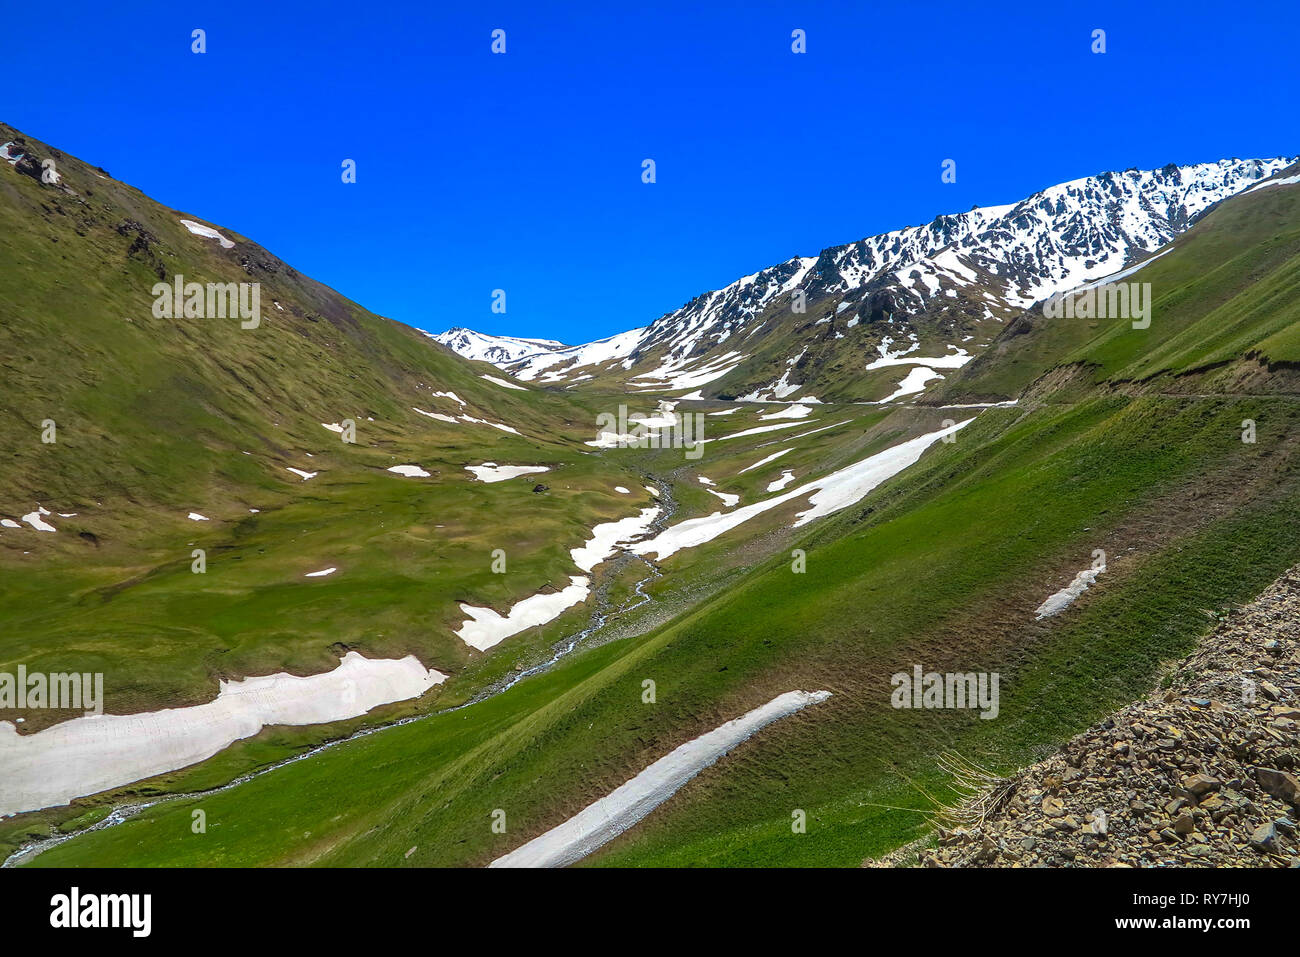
(29, 163)
(142, 246)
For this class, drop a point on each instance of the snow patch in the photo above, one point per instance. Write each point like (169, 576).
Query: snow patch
(503, 383)
(626, 805)
(207, 232)
(91, 754)
(465, 418)
(35, 520)
(790, 412)
(912, 383)
(608, 537)
(491, 472)
(1061, 600)
(486, 628)
(771, 458)
(826, 495)
(786, 478)
(887, 358)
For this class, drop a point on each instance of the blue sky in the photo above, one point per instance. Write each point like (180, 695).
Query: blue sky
(523, 171)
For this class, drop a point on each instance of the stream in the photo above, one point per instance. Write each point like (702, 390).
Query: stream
(601, 616)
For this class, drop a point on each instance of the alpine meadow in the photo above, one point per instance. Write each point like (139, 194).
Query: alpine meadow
(965, 545)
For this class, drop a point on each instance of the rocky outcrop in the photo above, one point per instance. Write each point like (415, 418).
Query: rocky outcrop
(1202, 773)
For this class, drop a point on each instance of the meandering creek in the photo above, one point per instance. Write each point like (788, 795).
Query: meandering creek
(601, 615)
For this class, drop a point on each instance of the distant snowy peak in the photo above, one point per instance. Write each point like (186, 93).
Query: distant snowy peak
(601, 354)
(1003, 258)
(497, 350)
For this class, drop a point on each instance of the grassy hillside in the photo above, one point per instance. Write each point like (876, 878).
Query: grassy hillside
(889, 584)
(156, 418)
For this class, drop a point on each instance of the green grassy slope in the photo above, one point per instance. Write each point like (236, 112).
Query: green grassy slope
(156, 418)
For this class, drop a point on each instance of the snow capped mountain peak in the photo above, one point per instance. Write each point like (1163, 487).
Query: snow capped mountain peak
(983, 265)
(494, 349)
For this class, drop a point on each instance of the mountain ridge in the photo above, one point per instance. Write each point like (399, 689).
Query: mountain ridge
(955, 280)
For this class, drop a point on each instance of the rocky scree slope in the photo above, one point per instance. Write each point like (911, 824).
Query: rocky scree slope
(1200, 774)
